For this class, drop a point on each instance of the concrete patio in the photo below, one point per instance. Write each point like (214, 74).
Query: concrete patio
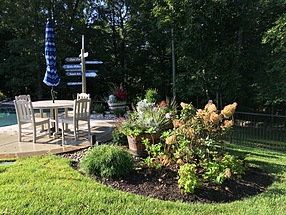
(10, 148)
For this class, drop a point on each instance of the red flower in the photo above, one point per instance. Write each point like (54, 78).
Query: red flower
(120, 94)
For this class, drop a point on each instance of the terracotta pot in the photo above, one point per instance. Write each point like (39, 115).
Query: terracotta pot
(137, 148)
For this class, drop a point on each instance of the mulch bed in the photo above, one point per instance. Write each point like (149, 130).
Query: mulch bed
(162, 184)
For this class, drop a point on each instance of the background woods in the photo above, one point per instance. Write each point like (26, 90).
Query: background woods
(225, 50)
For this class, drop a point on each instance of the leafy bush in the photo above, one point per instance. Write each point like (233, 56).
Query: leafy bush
(118, 138)
(152, 95)
(188, 179)
(99, 108)
(119, 112)
(218, 170)
(107, 161)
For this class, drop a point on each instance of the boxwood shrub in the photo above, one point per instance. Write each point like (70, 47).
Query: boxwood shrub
(108, 161)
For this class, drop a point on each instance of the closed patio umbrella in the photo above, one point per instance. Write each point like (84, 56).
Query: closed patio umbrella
(51, 76)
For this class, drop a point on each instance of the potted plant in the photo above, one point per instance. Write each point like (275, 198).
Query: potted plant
(146, 122)
(117, 98)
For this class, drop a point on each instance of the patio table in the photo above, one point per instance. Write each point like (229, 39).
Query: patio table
(54, 108)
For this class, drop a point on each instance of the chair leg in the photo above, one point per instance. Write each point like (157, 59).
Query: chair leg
(88, 130)
(34, 133)
(19, 133)
(49, 129)
(75, 131)
(63, 134)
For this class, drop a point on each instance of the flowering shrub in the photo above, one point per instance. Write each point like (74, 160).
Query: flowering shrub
(196, 140)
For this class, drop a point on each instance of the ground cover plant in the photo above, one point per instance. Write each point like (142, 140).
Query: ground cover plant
(49, 185)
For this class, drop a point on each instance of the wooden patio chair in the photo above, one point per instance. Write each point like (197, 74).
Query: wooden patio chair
(78, 96)
(82, 96)
(25, 115)
(81, 112)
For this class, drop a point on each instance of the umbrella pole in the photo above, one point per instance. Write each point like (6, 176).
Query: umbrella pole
(53, 94)
(53, 98)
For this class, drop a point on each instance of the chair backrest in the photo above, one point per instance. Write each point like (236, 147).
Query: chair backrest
(81, 109)
(82, 96)
(23, 97)
(24, 111)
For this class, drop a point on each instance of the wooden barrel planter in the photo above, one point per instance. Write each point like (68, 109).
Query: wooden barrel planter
(137, 148)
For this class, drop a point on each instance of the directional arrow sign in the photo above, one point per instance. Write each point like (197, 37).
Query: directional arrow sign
(89, 73)
(73, 59)
(84, 55)
(73, 70)
(79, 71)
(72, 66)
(93, 62)
(74, 83)
(73, 73)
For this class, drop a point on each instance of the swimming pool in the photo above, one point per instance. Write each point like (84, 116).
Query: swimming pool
(7, 117)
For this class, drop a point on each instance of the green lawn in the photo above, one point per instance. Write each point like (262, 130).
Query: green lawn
(48, 185)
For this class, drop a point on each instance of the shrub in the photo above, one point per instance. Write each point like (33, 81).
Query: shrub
(118, 138)
(194, 146)
(99, 108)
(196, 134)
(107, 161)
(152, 95)
(119, 112)
(188, 179)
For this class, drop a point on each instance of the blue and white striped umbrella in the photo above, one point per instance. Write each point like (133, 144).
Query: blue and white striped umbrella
(51, 76)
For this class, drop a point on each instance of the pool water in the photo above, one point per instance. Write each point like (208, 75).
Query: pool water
(7, 117)
(6, 162)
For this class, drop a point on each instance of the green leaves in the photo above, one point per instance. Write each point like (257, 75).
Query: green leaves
(188, 179)
(107, 161)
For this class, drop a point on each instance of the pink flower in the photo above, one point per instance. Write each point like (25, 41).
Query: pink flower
(168, 115)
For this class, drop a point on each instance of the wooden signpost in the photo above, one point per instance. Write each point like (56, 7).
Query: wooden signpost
(76, 66)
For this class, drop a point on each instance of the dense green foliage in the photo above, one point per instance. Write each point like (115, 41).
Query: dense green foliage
(98, 108)
(224, 50)
(107, 161)
(152, 96)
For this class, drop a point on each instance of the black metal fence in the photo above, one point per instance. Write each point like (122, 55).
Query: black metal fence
(259, 130)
